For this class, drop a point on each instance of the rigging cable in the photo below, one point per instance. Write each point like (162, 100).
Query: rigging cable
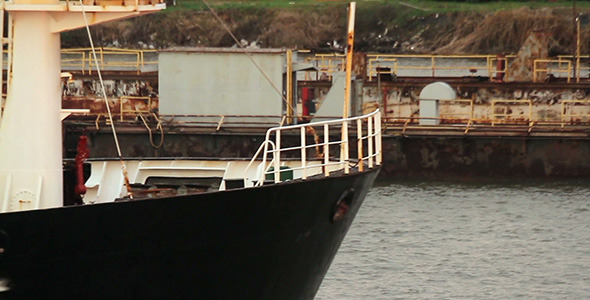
(123, 167)
(247, 53)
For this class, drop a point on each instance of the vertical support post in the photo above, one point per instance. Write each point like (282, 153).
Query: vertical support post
(344, 147)
(101, 62)
(349, 54)
(83, 63)
(10, 47)
(35, 47)
(289, 87)
(575, 35)
(530, 110)
(500, 68)
(493, 111)
(263, 164)
(139, 62)
(562, 113)
(345, 114)
(370, 137)
(377, 119)
(359, 142)
(33, 105)
(89, 65)
(277, 157)
(303, 154)
(1, 55)
(326, 149)
(471, 109)
(433, 64)
(577, 67)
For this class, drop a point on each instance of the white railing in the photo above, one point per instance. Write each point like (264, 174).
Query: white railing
(368, 149)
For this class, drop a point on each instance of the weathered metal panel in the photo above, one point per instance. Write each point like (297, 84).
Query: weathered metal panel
(333, 104)
(534, 47)
(490, 158)
(220, 83)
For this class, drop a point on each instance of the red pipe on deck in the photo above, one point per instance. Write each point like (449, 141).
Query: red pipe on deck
(83, 153)
(306, 98)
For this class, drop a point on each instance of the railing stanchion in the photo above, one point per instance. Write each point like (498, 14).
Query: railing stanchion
(370, 141)
(562, 114)
(303, 154)
(359, 138)
(263, 166)
(433, 65)
(344, 156)
(84, 62)
(377, 118)
(277, 157)
(319, 166)
(326, 149)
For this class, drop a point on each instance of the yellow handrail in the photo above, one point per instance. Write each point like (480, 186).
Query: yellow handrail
(466, 116)
(326, 65)
(79, 59)
(126, 109)
(435, 63)
(541, 66)
(582, 63)
(379, 65)
(507, 113)
(568, 105)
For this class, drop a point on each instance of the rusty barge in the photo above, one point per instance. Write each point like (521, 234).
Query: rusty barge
(525, 115)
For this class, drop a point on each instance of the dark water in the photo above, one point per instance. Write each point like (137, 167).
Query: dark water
(434, 240)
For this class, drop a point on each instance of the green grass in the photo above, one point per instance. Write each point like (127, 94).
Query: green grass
(451, 6)
(419, 5)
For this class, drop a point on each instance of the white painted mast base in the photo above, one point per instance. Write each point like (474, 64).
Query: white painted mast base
(30, 130)
(26, 196)
(31, 175)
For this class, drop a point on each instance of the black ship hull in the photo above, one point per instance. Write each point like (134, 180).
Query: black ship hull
(270, 242)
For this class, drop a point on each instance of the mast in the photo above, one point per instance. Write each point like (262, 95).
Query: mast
(345, 113)
(31, 175)
(349, 55)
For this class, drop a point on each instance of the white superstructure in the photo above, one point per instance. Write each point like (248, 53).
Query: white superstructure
(30, 129)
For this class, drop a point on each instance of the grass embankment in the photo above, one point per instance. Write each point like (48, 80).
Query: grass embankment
(420, 5)
(408, 26)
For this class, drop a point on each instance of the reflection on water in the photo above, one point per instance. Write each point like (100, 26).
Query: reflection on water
(435, 240)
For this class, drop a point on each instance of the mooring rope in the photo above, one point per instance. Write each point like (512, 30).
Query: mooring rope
(158, 126)
(104, 94)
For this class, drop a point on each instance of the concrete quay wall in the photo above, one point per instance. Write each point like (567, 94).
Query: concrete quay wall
(493, 158)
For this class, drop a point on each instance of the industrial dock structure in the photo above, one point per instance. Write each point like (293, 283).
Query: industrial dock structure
(445, 116)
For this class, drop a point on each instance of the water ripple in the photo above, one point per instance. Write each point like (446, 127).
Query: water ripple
(436, 240)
